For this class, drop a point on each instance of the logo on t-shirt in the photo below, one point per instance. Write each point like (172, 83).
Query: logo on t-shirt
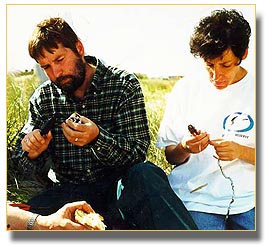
(238, 122)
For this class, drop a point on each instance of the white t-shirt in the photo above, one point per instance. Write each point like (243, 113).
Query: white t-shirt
(228, 113)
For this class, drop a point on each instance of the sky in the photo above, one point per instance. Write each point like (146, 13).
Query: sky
(152, 42)
(149, 39)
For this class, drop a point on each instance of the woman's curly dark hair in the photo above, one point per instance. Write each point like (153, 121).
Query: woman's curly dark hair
(221, 30)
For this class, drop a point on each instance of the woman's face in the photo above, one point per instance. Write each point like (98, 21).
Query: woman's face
(225, 69)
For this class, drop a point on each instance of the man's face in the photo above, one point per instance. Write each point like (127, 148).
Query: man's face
(64, 68)
(224, 70)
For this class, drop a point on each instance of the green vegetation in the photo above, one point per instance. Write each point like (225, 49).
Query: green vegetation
(20, 88)
(18, 91)
(155, 92)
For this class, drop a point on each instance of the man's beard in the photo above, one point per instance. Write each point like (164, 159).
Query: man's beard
(75, 80)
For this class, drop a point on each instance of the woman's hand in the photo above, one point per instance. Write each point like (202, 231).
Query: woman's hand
(227, 150)
(195, 143)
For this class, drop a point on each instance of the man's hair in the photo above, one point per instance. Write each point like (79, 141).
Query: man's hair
(221, 30)
(48, 34)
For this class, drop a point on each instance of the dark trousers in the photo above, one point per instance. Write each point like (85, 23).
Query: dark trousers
(146, 202)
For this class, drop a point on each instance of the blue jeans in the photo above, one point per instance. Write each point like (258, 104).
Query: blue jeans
(207, 221)
(146, 202)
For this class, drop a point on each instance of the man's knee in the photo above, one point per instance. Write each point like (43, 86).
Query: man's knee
(146, 173)
(145, 168)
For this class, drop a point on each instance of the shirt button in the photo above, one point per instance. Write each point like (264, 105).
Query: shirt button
(87, 150)
(83, 106)
(88, 171)
(98, 148)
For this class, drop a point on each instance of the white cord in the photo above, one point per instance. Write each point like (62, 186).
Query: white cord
(233, 190)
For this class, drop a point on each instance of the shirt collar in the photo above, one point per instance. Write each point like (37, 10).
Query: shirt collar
(99, 73)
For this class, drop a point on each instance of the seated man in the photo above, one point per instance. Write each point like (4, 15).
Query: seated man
(107, 143)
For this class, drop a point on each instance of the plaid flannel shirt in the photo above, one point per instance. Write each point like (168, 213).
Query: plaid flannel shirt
(115, 102)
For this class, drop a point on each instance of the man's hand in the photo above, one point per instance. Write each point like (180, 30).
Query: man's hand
(82, 133)
(64, 218)
(34, 144)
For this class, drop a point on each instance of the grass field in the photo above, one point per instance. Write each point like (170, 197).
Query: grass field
(19, 89)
